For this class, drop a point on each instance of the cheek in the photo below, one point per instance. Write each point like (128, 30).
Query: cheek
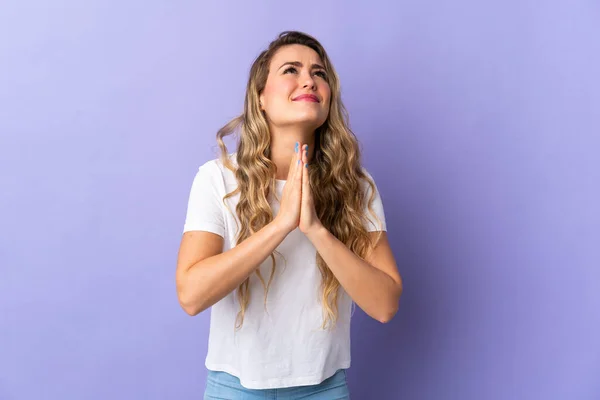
(327, 94)
(278, 90)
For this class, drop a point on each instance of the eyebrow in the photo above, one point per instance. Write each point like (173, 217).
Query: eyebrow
(299, 64)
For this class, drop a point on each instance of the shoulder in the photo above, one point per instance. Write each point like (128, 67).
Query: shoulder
(216, 172)
(368, 176)
(366, 172)
(216, 165)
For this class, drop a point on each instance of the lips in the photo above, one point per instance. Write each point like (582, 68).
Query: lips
(307, 97)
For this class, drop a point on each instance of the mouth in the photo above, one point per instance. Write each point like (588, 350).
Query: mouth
(307, 97)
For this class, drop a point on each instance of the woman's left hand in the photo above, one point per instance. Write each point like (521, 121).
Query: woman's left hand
(309, 221)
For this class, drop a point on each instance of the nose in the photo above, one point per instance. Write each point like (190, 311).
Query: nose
(308, 81)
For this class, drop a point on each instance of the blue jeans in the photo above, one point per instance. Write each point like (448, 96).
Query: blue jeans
(223, 386)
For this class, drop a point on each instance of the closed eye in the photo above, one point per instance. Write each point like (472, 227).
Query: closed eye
(322, 74)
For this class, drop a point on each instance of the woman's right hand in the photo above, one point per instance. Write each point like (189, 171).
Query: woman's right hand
(289, 211)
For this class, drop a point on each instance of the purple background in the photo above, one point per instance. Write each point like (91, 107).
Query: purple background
(480, 123)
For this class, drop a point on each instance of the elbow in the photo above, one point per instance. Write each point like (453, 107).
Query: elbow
(191, 310)
(192, 307)
(387, 315)
(191, 300)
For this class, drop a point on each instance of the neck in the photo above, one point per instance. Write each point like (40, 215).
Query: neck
(283, 141)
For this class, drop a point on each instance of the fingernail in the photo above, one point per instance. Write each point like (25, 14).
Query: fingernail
(298, 162)
(306, 165)
(296, 147)
(306, 147)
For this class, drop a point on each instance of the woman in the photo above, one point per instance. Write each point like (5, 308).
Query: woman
(283, 236)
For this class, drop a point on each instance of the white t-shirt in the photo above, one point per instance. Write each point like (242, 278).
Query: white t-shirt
(283, 345)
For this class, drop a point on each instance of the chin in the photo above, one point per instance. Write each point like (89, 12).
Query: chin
(310, 120)
(311, 124)
(305, 119)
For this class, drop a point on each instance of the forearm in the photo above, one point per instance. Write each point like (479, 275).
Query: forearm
(208, 281)
(371, 289)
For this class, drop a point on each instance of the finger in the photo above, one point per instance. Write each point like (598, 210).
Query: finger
(305, 180)
(299, 167)
(305, 155)
(293, 163)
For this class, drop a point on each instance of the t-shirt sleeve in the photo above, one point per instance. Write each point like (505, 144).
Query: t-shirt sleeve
(372, 224)
(205, 205)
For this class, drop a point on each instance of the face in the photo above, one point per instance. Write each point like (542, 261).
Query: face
(296, 91)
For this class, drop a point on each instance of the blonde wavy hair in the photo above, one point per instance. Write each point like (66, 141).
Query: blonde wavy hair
(335, 169)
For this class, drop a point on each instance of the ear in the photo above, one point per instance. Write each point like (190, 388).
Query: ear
(261, 101)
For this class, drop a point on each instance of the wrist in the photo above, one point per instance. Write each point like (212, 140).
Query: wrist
(280, 227)
(316, 233)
